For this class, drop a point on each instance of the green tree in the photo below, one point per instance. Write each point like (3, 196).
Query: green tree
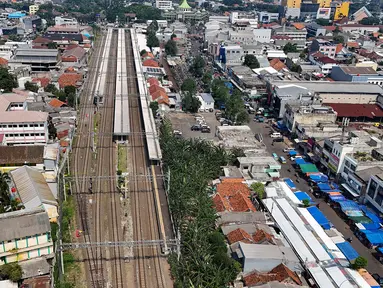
(152, 40)
(290, 48)
(154, 106)
(11, 271)
(173, 36)
(52, 45)
(4, 189)
(51, 88)
(306, 202)
(360, 262)
(7, 80)
(189, 85)
(259, 189)
(171, 48)
(143, 52)
(197, 66)
(153, 27)
(251, 61)
(206, 80)
(235, 110)
(338, 39)
(31, 86)
(190, 103)
(370, 21)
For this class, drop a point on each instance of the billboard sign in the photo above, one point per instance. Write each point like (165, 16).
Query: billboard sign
(323, 13)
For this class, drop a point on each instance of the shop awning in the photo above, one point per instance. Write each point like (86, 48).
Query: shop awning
(337, 198)
(349, 190)
(302, 195)
(319, 217)
(374, 237)
(292, 153)
(361, 219)
(324, 187)
(319, 178)
(350, 208)
(348, 251)
(290, 183)
(374, 218)
(300, 161)
(308, 168)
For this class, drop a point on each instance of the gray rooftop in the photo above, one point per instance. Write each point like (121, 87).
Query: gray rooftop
(34, 267)
(20, 224)
(334, 87)
(37, 52)
(259, 251)
(240, 217)
(32, 187)
(207, 97)
(365, 174)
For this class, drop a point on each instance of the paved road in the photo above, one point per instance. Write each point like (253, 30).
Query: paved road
(374, 266)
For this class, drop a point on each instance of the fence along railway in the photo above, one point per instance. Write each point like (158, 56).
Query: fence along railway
(117, 81)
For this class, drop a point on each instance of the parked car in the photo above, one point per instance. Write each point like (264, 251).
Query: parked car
(275, 135)
(278, 140)
(275, 156)
(282, 159)
(177, 133)
(378, 279)
(195, 127)
(205, 129)
(288, 149)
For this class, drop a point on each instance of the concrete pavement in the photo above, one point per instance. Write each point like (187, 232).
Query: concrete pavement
(374, 266)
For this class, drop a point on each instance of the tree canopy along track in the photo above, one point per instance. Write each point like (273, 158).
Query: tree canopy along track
(150, 269)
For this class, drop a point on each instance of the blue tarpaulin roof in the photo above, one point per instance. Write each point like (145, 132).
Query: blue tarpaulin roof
(300, 161)
(380, 249)
(319, 217)
(324, 186)
(336, 186)
(348, 251)
(370, 214)
(337, 198)
(319, 178)
(302, 195)
(350, 208)
(290, 183)
(374, 237)
(292, 153)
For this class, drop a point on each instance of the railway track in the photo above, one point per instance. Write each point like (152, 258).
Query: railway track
(82, 166)
(148, 267)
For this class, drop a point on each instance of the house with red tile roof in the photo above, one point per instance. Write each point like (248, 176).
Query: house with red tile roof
(147, 55)
(41, 43)
(56, 103)
(42, 81)
(70, 79)
(155, 88)
(150, 63)
(239, 235)
(153, 81)
(76, 54)
(277, 64)
(161, 97)
(280, 273)
(233, 196)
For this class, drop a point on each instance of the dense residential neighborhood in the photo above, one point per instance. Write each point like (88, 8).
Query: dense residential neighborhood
(232, 143)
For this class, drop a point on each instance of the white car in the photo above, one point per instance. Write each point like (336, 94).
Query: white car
(287, 150)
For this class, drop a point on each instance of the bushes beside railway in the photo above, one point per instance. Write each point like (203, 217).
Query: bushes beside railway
(192, 164)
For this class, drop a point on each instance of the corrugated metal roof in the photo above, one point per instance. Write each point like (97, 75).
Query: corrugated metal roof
(23, 116)
(32, 187)
(24, 223)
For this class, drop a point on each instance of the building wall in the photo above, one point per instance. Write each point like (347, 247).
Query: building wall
(262, 35)
(342, 10)
(164, 5)
(374, 192)
(20, 133)
(25, 248)
(348, 98)
(291, 3)
(338, 74)
(324, 3)
(33, 9)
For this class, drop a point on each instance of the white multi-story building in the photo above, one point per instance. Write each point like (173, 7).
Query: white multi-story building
(65, 21)
(164, 5)
(20, 126)
(25, 234)
(374, 191)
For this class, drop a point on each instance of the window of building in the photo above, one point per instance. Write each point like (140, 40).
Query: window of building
(372, 188)
(379, 196)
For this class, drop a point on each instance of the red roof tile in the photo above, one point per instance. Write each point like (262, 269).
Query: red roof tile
(150, 63)
(261, 236)
(41, 40)
(161, 97)
(3, 62)
(353, 44)
(56, 103)
(153, 81)
(299, 26)
(357, 110)
(155, 88)
(279, 273)
(43, 81)
(233, 195)
(239, 235)
(338, 48)
(277, 64)
(69, 79)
